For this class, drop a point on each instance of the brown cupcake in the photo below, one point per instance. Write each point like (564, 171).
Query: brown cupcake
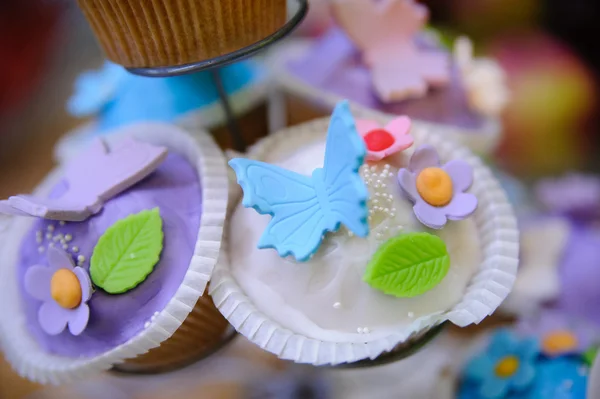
(154, 33)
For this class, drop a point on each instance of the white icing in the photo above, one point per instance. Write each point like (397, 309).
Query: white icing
(326, 298)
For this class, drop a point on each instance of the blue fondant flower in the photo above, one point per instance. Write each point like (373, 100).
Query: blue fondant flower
(95, 89)
(506, 365)
(117, 98)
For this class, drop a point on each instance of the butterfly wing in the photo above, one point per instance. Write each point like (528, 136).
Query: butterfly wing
(296, 227)
(345, 153)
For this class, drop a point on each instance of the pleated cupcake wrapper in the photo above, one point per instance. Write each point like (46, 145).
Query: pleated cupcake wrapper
(489, 286)
(21, 349)
(482, 141)
(176, 32)
(203, 330)
(194, 122)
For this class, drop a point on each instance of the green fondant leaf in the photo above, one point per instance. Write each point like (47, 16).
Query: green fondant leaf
(127, 252)
(590, 355)
(408, 265)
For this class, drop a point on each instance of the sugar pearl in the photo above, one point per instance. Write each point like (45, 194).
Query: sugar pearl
(337, 305)
(81, 258)
(75, 249)
(50, 227)
(68, 237)
(62, 223)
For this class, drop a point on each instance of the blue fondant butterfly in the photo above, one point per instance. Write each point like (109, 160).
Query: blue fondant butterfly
(305, 208)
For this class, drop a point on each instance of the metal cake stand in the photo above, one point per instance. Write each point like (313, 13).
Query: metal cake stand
(214, 64)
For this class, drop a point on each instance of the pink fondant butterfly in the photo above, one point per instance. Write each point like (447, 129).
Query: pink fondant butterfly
(385, 31)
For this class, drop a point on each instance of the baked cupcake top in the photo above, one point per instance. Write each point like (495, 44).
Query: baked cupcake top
(117, 98)
(110, 256)
(381, 57)
(369, 240)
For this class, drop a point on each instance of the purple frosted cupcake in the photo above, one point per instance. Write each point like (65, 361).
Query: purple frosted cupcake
(108, 261)
(381, 59)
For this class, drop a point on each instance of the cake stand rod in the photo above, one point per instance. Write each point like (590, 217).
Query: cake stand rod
(237, 139)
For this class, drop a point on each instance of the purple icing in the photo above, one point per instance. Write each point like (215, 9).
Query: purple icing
(334, 65)
(580, 276)
(115, 319)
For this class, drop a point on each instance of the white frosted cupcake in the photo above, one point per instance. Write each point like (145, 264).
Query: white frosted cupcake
(427, 236)
(107, 263)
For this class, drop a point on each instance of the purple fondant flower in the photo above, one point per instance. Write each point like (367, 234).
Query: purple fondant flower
(437, 191)
(64, 289)
(574, 195)
(558, 333)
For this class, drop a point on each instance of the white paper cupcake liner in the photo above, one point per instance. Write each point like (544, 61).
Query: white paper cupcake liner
(20, 348)
(194, 122)
(488, 287)
(482, 141)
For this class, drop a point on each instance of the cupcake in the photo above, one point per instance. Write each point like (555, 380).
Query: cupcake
(382, 60)
(107, 262)
(115, 98)
(518, 366)
(169, 32)
(400, 230)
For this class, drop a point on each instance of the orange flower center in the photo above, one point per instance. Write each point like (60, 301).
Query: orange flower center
(435, 186)
(507, 367)
(65, 289)
(378, 140)
(558, 342)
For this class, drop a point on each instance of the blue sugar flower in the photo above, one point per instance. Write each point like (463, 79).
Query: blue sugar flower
(117, 98)
(506, 366)
(95, 89)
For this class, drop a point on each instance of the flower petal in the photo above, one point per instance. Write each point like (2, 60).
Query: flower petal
(59, 259)
(37, 282)
(364, 126)
(462, 206)
(494, 388)
(529, 349)
(399, 127)
(78, 319)
(480, 367)
(429, 215)
(424, 157)
(85, 282)
(503, 343)
(53, 319)
(461, 173)
(524, 377)
(408, 184)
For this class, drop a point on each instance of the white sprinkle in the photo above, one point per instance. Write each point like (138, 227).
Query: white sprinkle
(48, 236)
(390, 174)
(147, 324)
(375, 201)
(38, 239)
(387, 166)
(411, 314)
(41, 249)
(392, 214)
(51, 245)
(359, 330)
(81, 258)
(568, 384)
(350, 234)
(75, 249)
(155, 314)
(50, 227)
(68, 237)
(366, 330)
(62, 223)
(132, 256)
(337, 305)
(65, 247)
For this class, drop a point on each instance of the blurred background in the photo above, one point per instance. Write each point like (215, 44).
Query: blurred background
(549, 49)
